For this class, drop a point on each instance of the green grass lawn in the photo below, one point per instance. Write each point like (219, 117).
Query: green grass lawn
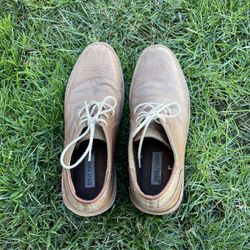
(40, 41)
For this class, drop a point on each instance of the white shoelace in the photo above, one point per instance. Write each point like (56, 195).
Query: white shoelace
(91, 114)
(152, 112)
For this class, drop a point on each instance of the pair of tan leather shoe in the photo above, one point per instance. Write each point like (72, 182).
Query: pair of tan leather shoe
(159, 112)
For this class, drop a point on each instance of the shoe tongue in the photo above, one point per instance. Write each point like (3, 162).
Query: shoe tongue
(155, 131)
(99, 135)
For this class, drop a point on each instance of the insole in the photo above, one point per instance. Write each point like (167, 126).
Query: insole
(156, 166)
(88, 176)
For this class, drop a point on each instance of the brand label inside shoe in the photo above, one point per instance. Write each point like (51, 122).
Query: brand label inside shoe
(89, 167)
(156, 168)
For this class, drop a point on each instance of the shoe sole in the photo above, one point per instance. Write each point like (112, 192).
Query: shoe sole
(144, 209)
(109, 202)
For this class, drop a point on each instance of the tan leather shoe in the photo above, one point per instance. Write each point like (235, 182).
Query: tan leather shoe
(159, 108)
(92, 111)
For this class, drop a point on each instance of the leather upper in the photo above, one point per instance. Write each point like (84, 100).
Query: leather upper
(96, 75)
(158, 78)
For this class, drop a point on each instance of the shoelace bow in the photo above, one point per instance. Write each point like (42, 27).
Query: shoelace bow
(90, 114)
(152, 112)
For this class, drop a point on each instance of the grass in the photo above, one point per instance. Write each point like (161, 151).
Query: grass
(39, 44)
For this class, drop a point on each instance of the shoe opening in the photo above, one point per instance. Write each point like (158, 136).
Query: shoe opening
(88, 176)
(157, 161)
